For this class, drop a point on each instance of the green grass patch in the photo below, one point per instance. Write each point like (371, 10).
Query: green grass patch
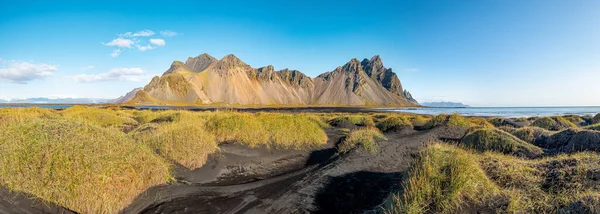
(394, 123)
(365, 137)
(452, 121)
(531, 134)
(77, 164)
(359, 120)
(491, 139)
(553, 123)
(595, 127)
(441, 180)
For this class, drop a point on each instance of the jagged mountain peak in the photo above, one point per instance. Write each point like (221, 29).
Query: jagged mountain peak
(176, 66)
(199, 63)
(352, 66)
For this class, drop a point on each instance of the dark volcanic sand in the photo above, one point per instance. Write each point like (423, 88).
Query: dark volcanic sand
(259, 180)
(329, 183)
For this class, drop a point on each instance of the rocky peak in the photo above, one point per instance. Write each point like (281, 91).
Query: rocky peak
(199, 63)
(265, 73)
(294, 77)
(175, 67)
(228, 63)
(409, 96)
(352, 66)
(374, 68)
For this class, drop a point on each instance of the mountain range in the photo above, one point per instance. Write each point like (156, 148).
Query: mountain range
(445, 104)
(43, 100)
(206, 80)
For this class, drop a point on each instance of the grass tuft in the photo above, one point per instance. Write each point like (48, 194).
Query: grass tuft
(452, 121)
(365, 137)
(490, 139)
(18, 115)
(553, 123)
(394, 123)
(441, 179)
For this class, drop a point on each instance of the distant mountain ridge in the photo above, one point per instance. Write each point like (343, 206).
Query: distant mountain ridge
(43, 100)
(445, 104)
(206, 80)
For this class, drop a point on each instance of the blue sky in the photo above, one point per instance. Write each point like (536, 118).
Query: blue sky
(481, 52)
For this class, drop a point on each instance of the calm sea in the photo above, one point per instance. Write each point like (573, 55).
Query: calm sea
(504, 111)
(471, 111)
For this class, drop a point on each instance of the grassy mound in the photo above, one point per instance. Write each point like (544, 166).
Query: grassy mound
(596, 119)
(77, 165)
(573, 140)
(447, 179)
(488, 139)
(419, 120)
(507, 122)
(365, 137)
(359, 120)
(98, 116)
(186, 143)
(17, 115)
(553, 123)
(270, 129)
(575, 119)
(531, 134)
(442, 179)
(394, 123)
(452, 121)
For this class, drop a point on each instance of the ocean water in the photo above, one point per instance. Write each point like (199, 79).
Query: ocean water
(508, 112)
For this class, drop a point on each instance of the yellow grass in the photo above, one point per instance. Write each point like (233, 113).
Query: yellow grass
(99, 116)
(365, 137)
(77, 165)
(17, 115)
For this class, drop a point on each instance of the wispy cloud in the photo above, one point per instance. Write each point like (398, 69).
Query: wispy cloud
(130, 40)
(143, 33)
(23, 72)
(116, 53)
(120, 42)
(89, 67)
(158, 42)
(411, 70)
(168, 33)
(145, 48)
(115, 74)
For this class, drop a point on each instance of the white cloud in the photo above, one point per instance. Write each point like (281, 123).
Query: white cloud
(410, 70)
(22, 72)
(115, 74)
(168, 33)
(87, 67)
(115, 53)
(143, 33)
(159, 42)
(120, 42)
(145, 48)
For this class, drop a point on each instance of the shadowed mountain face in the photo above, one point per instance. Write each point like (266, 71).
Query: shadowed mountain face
(206, 80)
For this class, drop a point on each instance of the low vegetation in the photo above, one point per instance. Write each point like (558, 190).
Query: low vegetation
(77, 164)
(359, 120)
(452, 121)
(553, 123)
(18, 115)
(490, 139)
(99, 116)
(447, 179)
(441, 180)
(394, 123)
(531, 134)
(366, 137)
